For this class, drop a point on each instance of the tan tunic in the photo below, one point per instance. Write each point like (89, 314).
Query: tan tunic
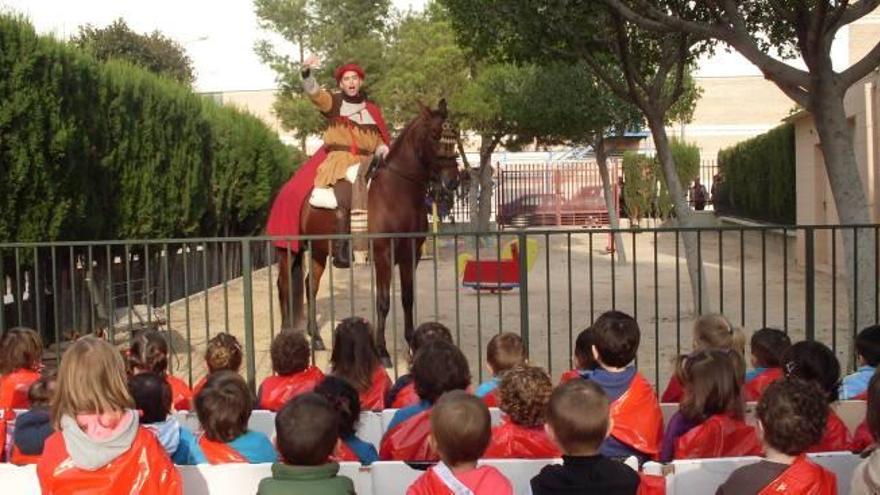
(347, 122)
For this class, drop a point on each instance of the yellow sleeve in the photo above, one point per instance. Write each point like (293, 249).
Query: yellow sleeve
(322, 100)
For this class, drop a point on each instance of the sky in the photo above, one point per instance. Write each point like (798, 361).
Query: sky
(220, 40)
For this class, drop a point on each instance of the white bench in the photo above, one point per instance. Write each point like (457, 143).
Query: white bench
(19, 479)
(236, 479)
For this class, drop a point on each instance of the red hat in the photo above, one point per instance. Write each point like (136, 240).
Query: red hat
(342, 69)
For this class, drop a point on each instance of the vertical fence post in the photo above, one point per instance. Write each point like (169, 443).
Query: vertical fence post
(523, 288)
(810, 283)
(247, 286)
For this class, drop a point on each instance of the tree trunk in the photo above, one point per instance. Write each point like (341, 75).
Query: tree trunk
(602, 161)
(683, 215)
(480, 194)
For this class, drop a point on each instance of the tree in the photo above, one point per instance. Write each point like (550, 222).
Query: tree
(756, 28)
(155, 51)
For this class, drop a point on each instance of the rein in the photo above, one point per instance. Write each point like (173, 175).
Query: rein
(417, 181)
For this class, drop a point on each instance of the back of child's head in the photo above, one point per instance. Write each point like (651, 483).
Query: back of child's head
(91, 380)
(223, 353)
(768, 345)
(523, 393)
(714, 331)
(437, 368)
(345, 401)
(428, 331)
(354, 355)
(712, 380)
(224, 406)
(148, 353)
(815, 362)
(872, 414)
(306, 430)
(504, 351)
(41, 391)
(290, 353)
(461, 427)
(792, 413)
(578, 415)
(868, 345)
(616, 338)
(583, 350)
(152, 396)
(20, 348)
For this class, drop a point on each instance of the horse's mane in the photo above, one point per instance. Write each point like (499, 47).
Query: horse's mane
(412, 133)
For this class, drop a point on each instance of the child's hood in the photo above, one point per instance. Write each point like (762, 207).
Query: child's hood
(94, 450)
(168, 433)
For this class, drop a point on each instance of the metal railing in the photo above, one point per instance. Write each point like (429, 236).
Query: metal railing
(789, 277)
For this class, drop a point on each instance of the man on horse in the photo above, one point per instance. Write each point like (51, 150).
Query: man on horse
(355, 133)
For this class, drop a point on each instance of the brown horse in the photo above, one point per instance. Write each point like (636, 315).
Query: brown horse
(395, 205)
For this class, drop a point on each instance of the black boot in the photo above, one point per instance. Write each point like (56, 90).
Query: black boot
(341, 252)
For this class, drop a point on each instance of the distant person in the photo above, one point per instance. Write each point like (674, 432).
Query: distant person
(504, 352)
(767, 347)
(293, 373)
(699, 196)
(855, 385)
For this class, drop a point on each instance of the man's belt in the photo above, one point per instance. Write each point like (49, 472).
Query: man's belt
(339, 147)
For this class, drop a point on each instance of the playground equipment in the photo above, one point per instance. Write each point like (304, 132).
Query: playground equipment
(497, 275)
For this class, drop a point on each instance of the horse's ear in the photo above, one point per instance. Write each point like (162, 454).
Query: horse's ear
(424, 110)
(441, 108)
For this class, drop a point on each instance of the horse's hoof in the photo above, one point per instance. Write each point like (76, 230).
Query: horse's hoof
(386, 362)
(318, 344)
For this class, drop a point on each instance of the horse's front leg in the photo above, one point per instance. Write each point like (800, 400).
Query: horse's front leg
(382, 258)
(313, 282)
(406, 265)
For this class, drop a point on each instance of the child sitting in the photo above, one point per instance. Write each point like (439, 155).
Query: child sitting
(815, 362)
(460, 430)
(152, 397)
(523, 393)
(344, 399)
(767, 347)
(355, 359)
(222, 353)
(583, 357)
(306, 432)
(578, 422)
(866, 477)
(293, 373)
(403, 393)
(149, 353)
(99, 446)
(791, 414)
(21, 356)
(709, 422)
(438, 367)
(712, 331)
(636, 419)
(224, 408)
(33, 427)
(855, 385)
(503, 352)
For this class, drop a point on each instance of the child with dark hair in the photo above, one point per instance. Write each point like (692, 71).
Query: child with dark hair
(460, 429)
(709, 422)
(152, 397)
(523, 393)
(855, 385)
(438, 367)
(767, 346)
(503, 352)
(815, 362)
(578, 422)
(344, 399)
(355, 359)
(222, 353)
(403, 393)
(34, 427)
(792, 414)
(149, 353)
(293, 373)
(224, 407)
(21, 356)
(637, 422)
(866, 478)
(584, 363)
(307, 429)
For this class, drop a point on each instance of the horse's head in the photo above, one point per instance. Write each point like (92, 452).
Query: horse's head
(444, 137)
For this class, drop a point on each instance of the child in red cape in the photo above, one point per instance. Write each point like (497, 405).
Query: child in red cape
(583, 357)
(637, 423)
(34, 427)
(503, 352)
(355, 359)
(149, 353)
(21, 351)
(709, 422)
(767, 347)
(98, 446)
(460, 432)
(223, 352)
(524, 393)
(791, 414)
(344, 399)
(403, 393)
(293, 373)
(438, 367)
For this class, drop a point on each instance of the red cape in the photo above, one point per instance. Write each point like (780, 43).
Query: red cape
(836, 436)
(220, 452)
(144, 469)
(491, 399)
(278, 390)
(373, 399)
(14, 388)
(651, 484)
(862, 439)
(19, 459)
(569, 376)
(485, 479)
(406, 397)
(343, 453)
(408, 441)
(638, 421)
(513, 441)
(719, 436)
(181, 395)
(755, 388)
(803, 478)
(674, 391)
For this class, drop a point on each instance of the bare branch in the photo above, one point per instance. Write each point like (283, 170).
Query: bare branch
(861, 68)
(856, 11)
(798, 94)
(678, 82)
(630, 74)
(657, 20)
